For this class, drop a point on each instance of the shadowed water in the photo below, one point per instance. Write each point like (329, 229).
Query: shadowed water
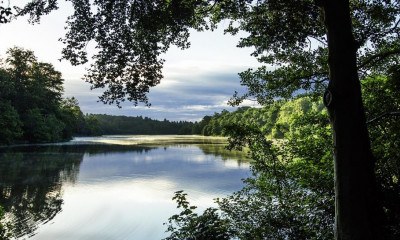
(112, 187)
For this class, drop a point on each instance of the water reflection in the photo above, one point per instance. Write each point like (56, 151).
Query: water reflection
(30, 184)
(98, 190)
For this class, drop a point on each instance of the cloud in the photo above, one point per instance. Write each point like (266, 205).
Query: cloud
(184, 97)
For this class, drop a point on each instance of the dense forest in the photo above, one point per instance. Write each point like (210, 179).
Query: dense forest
(108, 125)
(274, 120)
(31, 104)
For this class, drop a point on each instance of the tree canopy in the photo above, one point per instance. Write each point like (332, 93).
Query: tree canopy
(289, 35)
(31, 102)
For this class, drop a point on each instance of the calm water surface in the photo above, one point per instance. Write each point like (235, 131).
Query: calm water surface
(112, 187)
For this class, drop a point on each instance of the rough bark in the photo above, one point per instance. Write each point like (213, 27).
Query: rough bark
(357, 208)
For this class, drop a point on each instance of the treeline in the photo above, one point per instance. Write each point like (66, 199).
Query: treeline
(31, 104)
(273, 120)
(108, 124)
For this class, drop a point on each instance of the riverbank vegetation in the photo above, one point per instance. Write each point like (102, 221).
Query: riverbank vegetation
(291, 193)
(31, 104)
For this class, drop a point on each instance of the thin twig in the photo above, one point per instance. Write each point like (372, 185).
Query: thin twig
(384, 115)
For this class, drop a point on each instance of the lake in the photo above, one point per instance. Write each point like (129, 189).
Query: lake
(113, 187)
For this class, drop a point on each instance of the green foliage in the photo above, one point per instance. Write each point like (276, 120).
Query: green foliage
(290, 35)
(31, 103)
(140, 32)
(93, 125)
(36, 84)
(188, 225)
(42, 128)
(274, 120)
(381, 95)
(107, 124)
(290, 195)
(70, 113)
(10, 124)
(35, 127)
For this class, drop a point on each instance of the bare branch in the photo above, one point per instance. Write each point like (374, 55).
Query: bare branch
(320, 40)
(384, 115)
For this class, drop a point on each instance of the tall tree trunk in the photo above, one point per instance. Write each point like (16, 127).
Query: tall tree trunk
(356, 202)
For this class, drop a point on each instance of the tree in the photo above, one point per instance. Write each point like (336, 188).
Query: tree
(5, 13)
(10, 124)
(93, 125)
(37, 127)
(71, 114)
(31, 102)
(37, 84)
(380, 94)
(311, 43)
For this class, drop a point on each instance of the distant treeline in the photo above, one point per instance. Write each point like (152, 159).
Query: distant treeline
(31, 105)
(108, 124)
(274, 120)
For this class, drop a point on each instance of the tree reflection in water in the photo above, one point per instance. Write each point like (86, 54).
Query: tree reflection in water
(31, 179)
(30, 184)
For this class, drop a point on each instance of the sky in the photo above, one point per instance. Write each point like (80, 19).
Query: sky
(197, 82)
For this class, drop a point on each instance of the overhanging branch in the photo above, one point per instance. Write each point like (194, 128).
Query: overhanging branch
(378, 57)
(384, 115)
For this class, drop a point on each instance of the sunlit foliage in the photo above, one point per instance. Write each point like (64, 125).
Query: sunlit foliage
(290, 195)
